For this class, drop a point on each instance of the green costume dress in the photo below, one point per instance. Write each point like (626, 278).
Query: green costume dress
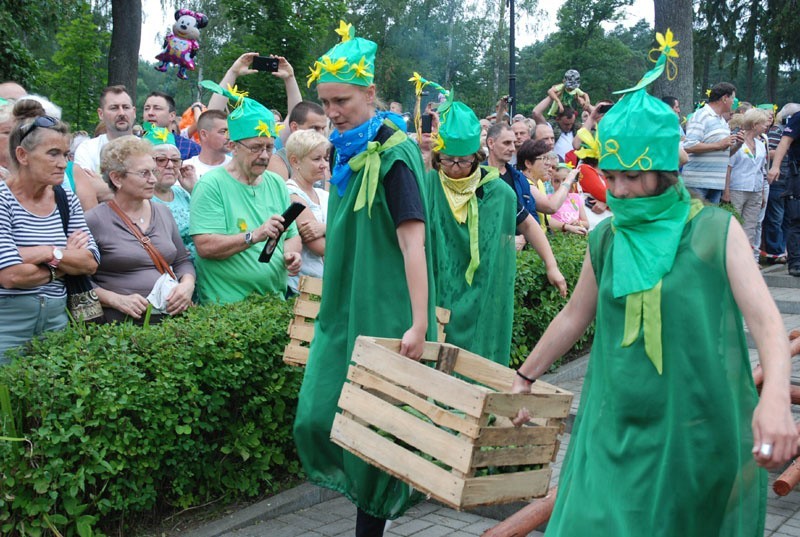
(482, 314)
(666, 455)
(364, 293)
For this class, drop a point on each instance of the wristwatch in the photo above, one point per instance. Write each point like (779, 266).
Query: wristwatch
(58, 255)
(248, 237)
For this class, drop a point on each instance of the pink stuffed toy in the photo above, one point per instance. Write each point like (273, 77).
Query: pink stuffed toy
(180, 46)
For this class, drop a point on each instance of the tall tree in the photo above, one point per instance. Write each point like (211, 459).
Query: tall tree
(126, 35)
(677, 15)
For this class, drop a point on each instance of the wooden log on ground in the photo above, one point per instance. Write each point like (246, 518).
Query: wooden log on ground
(787, 480)
(526, 519)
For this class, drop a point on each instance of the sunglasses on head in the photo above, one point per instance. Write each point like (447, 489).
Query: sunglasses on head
(45, 122)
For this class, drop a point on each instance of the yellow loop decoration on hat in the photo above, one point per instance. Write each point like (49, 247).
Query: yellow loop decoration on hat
(345, 31)
(419, 83)
(370, 161)
(667, 48)
(643, 161)
(438, 142)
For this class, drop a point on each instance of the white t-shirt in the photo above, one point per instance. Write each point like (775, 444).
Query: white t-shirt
(312, 263)
(201, 167)
(87, 155)
(564, 144)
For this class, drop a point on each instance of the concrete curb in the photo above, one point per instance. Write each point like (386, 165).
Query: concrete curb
(290, 501)
(573, 370)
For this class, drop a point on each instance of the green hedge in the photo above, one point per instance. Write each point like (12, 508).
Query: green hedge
(536, 302)
(122, 420)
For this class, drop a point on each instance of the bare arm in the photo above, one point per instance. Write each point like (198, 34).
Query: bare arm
(564, 330)
(535, 236)
(240, 67)
(317, 245)
(411, 236)
(24, 276)
(220, 246)
(780, 152)
(772, 418)
(550, 204)
(540, 109)
(286, 73)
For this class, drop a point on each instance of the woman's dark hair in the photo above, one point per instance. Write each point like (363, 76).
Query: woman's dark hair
(480, 156)
(664, 181)
(529, 151)
(26, 112)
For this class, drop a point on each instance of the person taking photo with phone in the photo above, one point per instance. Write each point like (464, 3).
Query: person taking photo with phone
(238, 206)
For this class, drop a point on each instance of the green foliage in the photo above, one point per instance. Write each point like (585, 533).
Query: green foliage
(536, 302)
(79, 72)
(122, 420)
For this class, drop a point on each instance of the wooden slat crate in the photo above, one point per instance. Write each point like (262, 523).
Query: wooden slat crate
(306, 309)
(466, 429)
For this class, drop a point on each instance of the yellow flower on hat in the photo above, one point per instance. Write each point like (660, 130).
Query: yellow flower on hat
(278, 128)
(236, 93)
(665, 41)
(344, 31)
(316, 72)
(419, 82)
(361, 68)
(262, 128)
(333, 67)
(161, 134)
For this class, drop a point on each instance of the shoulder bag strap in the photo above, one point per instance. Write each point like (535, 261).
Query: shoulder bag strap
(158, 260)
(63, 207)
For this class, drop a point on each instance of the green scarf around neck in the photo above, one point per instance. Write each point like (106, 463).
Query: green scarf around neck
(647, 232)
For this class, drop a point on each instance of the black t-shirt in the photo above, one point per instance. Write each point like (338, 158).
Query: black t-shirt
(792, 130)
(402, 191)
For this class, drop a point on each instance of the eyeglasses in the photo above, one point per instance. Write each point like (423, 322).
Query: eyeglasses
(161, 162)
(256, 150)
(464, 163)
(144, 174)
(45, 122)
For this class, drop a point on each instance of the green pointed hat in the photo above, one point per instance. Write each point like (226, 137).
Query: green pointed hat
(249, 118)
(157, 135)
(351, 61)
(459, 133)
(641, 132)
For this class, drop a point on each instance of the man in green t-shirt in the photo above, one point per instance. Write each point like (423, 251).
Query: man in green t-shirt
(237, 206)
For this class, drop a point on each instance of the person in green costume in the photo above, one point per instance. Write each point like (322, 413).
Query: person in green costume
(671, 438)
(475, 218)
(378, 280)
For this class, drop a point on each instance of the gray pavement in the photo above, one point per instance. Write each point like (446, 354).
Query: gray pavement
(311, 512)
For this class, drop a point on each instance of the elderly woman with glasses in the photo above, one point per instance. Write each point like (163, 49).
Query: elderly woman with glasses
(35, 252)
(127, 273)
(476, 217)
(174, 182)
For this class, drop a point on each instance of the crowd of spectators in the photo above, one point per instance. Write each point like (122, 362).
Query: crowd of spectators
(211, 197)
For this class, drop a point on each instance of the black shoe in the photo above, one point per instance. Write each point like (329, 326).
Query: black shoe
(794, 271)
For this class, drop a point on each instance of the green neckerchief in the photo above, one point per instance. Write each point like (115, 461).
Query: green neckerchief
(370, 161)
(647, 232)
(472, 216)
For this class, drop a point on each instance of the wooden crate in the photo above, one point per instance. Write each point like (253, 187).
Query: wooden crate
(306, 309)
(466, 428)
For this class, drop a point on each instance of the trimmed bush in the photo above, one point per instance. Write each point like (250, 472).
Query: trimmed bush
(121, 419)
(536, 302)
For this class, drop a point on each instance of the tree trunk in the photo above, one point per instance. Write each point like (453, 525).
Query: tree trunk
(677, 15)
(126, 35)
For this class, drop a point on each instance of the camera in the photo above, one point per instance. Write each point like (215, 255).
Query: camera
(427, 123)
(265, 63)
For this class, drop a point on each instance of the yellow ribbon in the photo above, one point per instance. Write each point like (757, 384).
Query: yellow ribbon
(370, 161)
(460, 194)
(591, 145)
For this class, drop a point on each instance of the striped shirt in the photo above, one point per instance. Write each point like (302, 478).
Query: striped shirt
(20, 228)
(706, 170)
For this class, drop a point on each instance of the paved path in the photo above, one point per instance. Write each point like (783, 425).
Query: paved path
(336, 517)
